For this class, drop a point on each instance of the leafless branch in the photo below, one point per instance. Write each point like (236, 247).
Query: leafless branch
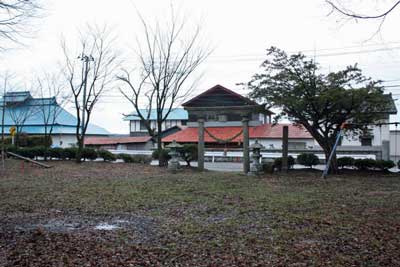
(168, 56)
(90, 68)
(16, 20)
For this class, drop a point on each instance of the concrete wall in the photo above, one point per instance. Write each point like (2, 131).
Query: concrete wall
(276, 143)
(64, 140)
(395, 145)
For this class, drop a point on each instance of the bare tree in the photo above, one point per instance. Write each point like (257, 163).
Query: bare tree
(167, 60)
(89, 73)
(15, 19)
(337, 6)
(349, 13)
(52, 99)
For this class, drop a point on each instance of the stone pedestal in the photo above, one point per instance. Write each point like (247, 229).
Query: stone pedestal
(255, 167)
(173, 163)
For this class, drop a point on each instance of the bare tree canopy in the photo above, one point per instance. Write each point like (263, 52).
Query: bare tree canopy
(89, 73)
(339, 7)
(15, 19)
(52, 98)
(167, 58)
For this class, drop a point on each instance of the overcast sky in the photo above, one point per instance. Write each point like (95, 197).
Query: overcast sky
(240, 32)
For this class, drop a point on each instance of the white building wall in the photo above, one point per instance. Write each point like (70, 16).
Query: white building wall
(64, 140)
(379, 133)
(276, 143)
(135, 125)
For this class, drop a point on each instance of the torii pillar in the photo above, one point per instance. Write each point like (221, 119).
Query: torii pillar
(246, 156)
(200, 146)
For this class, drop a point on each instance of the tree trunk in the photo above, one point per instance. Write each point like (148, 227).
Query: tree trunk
(78, 158)
(333, 168)
(161, 159)
(46, 147)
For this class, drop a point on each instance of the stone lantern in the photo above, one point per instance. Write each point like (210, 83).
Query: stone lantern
(255, 167)
(173, 163)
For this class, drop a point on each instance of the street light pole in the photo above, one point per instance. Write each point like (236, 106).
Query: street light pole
(86, 59)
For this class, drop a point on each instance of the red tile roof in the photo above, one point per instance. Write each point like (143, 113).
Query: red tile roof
(190, 134)
(116, 140)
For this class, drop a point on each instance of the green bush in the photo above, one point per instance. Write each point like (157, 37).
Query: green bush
(26, 140)
(143, 159)
(56, 153)
(33, 141)
(127, 158)
(39, 151)
(165, 156)
(10, 148)
(89, 153)
(384, 165)
(27, 152)
(307, 159)
(365, 164)
(70, 152)
(189, 153)
(268, 167)
(345, 162)
(106, 155)
(278, 163)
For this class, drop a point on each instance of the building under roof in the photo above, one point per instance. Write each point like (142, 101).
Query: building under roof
(29, 115)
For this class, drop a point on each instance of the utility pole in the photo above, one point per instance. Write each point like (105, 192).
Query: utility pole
(86, 59)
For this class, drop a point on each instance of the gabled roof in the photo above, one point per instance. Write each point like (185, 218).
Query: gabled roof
(391, 109)
(17, 96)
(175, 114)
(264, 131)
(34, 124)
(218, 96)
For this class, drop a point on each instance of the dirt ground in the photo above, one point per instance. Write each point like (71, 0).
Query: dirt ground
(117, 214)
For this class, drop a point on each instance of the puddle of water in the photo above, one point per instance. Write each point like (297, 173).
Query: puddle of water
(106, 227)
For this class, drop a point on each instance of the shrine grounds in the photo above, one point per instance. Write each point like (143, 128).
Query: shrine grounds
(118, 214)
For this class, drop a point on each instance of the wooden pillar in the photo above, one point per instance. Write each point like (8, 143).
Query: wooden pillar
(246, 156)
(285, 148)
(200, 146)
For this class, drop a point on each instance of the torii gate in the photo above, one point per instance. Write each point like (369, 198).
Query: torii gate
(220, 101)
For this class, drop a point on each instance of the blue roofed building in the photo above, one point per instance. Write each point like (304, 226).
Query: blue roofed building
(36, 116)
(177, 118)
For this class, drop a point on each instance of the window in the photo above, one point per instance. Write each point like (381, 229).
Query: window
(366, 141)
(222, 118)
(143, 126)
(297, 145)
(211, 117)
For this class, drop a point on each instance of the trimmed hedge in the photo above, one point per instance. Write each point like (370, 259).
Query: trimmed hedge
(127, 158)
(366, 164)
(278, 163)
(26, 140)
(106, 155)
(89, 153)
(165, 155)
(189, 153)
(345, 162)
(308, 159)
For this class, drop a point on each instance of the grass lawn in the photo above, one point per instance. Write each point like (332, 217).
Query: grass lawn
(105, 214)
